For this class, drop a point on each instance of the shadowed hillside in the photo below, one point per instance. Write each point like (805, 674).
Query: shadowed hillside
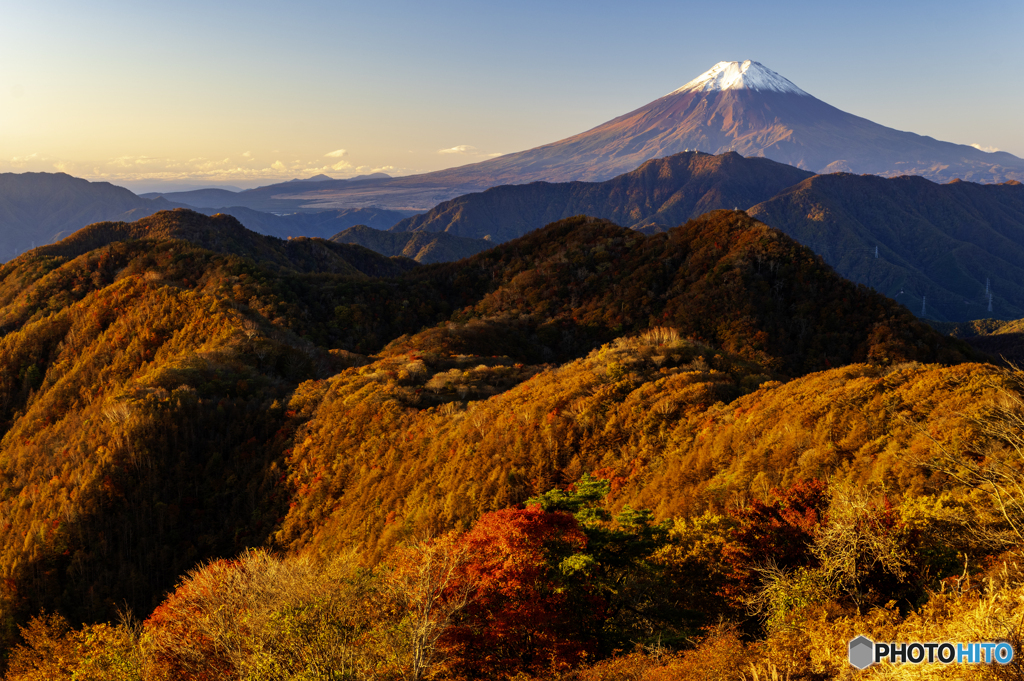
(936, 241)
(1000, 339)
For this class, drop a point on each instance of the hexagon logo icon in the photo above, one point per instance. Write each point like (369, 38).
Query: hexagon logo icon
(862, 652)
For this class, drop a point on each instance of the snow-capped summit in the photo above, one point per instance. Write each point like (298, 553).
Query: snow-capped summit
(736, 75)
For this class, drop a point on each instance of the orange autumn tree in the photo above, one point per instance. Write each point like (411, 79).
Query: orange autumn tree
(525, 616)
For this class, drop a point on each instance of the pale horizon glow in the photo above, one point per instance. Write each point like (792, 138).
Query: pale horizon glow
(241, 94)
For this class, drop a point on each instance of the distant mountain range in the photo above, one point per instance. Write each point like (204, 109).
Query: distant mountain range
(290, 196)
(735, 106)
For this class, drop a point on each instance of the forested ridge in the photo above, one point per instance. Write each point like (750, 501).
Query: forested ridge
(584, 454)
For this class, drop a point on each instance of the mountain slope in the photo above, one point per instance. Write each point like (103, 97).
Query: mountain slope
(147, 392)
(675, 434)
(940, 242)
(1007, 342)
(665, 192)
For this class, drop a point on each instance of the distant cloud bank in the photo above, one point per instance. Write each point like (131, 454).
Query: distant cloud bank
(468, 150)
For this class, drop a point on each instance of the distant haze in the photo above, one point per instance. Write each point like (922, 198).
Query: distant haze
(147, 186)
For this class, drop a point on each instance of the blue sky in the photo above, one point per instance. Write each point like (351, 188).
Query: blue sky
(249, 92)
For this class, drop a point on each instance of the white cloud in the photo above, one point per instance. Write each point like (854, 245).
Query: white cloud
(460, 149)
(246, 154)
(469, 150)
(19, 161)
(981, 148)
(277, 165)
(337, 153)
(341, 165)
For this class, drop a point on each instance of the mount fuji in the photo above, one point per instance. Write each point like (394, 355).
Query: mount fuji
(747, 108)
(734, 106)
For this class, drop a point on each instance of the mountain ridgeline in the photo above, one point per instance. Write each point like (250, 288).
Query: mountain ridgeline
(39, 208)
(224, 234)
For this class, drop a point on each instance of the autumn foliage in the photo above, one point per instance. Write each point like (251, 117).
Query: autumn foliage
(569, 456)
